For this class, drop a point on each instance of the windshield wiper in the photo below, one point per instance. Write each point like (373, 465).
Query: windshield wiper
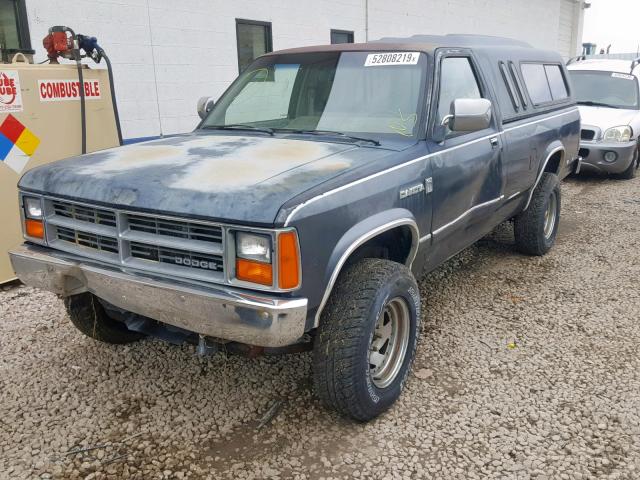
(240, 126)
(334, 133)
(596, 104)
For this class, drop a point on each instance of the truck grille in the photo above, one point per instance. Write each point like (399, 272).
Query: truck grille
(173, 228)
(88, 240)
(180, 258)
(84, 214)
(155, 244)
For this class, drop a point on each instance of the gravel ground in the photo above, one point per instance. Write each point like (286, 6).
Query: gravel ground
(527, 368)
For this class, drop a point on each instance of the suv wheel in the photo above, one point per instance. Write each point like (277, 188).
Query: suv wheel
(367, 338)
(88, 316)
(537, 227)
(630, 172)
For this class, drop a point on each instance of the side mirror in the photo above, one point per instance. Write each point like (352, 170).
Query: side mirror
(468, 115)
(205, 105)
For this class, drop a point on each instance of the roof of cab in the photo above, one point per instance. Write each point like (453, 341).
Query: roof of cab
(422, 43)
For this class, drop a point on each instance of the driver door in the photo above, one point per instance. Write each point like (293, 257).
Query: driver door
(467, 167)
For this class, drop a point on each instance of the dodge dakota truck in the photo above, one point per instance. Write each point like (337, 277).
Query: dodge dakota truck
(303, 207)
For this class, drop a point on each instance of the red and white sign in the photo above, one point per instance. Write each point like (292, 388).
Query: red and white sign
(62, 90)
(10, 95)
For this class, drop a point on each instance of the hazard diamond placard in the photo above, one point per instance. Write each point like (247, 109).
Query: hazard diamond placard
(17, 144)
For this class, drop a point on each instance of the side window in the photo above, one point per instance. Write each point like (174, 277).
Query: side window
(556, 82)
(519, 86)
(457, 80)
(535, 79)
(510, 86)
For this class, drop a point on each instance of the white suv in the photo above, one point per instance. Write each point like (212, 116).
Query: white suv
(608, 95)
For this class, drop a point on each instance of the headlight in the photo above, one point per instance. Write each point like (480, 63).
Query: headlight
(32, 208)
(618, 134)
(253, 247)
(33, 224)
(253, 258)
(255, 263)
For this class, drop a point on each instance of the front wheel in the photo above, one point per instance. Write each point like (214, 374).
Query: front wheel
(89, 316)
(367, 339)
(537, 227)
(630, 173)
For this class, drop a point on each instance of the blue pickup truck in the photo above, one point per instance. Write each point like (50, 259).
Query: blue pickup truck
(302, 209)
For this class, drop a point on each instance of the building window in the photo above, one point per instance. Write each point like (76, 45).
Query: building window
(14, 28)
(341, 36)
(254, 39)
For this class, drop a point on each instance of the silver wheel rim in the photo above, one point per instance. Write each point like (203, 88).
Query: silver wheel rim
(389, 342)
(550, 215)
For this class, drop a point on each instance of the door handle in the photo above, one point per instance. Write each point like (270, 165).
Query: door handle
(494, 142)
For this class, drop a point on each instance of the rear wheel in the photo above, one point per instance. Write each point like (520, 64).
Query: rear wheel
(89, 316)
(367, 339)
(537, 227)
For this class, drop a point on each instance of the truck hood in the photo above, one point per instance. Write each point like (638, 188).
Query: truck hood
(224, 177)
(603, 117)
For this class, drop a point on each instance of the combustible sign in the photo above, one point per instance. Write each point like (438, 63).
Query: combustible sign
(10, 95)
(61, 90)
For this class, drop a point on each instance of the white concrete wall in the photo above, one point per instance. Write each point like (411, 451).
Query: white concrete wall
(168, 53)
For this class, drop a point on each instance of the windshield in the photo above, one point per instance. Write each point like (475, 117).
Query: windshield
(610, 89)
(369, 95)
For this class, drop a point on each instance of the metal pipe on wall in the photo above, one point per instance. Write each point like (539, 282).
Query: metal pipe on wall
(366, 20)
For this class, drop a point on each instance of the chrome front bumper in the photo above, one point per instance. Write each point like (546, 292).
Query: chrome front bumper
(220, 312)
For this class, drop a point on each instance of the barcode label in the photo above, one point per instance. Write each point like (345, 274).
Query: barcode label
(392, 58)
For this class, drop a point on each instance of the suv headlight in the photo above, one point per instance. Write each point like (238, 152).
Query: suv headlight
(618, 134)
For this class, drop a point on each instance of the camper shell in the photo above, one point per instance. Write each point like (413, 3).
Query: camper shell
(499, 58)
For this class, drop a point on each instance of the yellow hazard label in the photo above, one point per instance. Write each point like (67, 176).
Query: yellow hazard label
(27, 142)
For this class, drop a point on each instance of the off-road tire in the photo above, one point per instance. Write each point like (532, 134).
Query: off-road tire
(630, 173)
(529, 225)
(89, 316)
(341, 370)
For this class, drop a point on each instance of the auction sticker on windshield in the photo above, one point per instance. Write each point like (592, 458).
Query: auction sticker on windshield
(622, 75)
(391, 58)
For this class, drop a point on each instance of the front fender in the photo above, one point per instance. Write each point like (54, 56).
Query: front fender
(357, 236)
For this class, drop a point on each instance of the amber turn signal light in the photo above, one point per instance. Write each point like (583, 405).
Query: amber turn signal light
(34, 228)
(288, 261)
(256, 272)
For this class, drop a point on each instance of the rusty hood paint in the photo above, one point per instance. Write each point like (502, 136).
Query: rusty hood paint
(234, 178)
